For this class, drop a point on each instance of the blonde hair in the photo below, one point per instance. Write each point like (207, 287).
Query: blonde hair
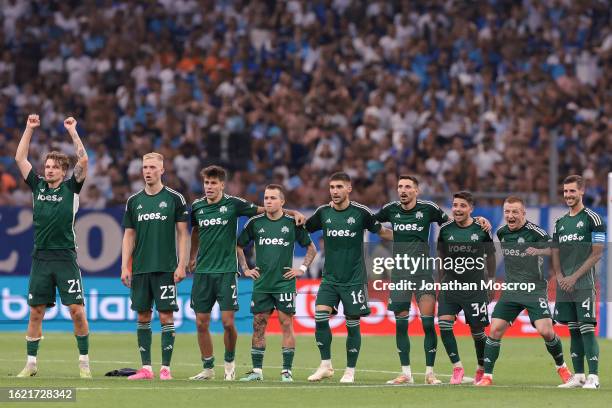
(153, 156)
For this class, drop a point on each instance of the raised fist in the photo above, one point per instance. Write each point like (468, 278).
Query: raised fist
(33, 121)
(70, 123)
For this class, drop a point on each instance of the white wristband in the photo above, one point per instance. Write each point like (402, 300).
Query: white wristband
(304, 268)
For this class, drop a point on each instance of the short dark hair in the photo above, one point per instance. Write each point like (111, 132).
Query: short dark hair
(340, 176)
(465, 195)
(408, 177)
(277, 187)
(514, 199)
(574, 178)
(217, 172)
(60, 158)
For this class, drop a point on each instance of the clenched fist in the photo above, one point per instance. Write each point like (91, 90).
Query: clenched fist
(33, 121)
(70, 123)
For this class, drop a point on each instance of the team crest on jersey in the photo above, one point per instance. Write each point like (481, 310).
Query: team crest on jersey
(350, 220)
(42, 190)
(580, 224)
(419, 215)
(285, 230)
(328, 221)
(163, 204)
(223, 209)
(520, 240)
(139, 207)
(474, 237)
(261, 231)
(397, 215)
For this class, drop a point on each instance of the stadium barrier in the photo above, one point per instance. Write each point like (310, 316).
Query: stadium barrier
(108, 310)
(99, 236)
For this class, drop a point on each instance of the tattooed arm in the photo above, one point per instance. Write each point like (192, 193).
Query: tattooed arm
(80, 170)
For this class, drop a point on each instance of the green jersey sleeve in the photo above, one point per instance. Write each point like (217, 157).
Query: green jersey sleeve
(438, 215)
(382, 215)
(555, 237)
(246, 236)
(244, 207)
(314, 222)
(302, 237)
(74, 185)
(32, 179)
(181, 214)
(371, 223)
(597, 226)
(127, 216)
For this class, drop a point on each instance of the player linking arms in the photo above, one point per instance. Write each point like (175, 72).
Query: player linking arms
(214, 219)
(54, 260)
(522, 244)
(411, 219)
(459, 238)
(344, 277)
(274, 234)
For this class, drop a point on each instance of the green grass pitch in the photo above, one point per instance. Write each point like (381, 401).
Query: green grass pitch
(524, 376)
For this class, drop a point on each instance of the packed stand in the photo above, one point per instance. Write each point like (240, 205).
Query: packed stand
(465, 96)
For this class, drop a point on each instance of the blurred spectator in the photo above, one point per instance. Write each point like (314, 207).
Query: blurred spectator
(464, 95)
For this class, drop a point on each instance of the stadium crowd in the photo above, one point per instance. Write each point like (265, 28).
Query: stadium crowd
(465, 95)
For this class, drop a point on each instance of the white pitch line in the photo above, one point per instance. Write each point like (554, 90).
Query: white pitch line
(305, 387)
(238, 365)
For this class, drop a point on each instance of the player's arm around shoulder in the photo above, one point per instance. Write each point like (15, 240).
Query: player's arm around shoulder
(300, 219)
(385, 233)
